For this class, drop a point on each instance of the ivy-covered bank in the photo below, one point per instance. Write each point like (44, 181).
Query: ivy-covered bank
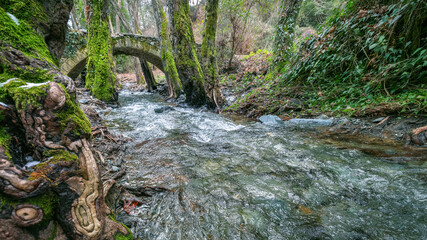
(100, 78)
(49, 178)
(368, 59)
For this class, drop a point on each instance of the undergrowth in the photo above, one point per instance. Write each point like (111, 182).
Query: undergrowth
(369, 58)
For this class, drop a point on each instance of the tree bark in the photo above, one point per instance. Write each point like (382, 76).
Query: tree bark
(119, 4)
(148, 75)
(209, 59)
(171, 72)
(135, 30)
(185, 53)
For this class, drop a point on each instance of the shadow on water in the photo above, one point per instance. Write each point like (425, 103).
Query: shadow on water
(221, 179)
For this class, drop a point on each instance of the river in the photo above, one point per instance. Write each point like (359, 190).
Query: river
(245, 180)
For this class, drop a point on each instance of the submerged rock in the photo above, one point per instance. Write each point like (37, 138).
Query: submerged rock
(271, 120)
(302, 122)
(163, 109)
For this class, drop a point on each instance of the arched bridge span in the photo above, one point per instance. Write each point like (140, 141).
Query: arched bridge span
(147, 48)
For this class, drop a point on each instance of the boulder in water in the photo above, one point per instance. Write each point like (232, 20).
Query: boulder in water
(271, 120)
(303, 122)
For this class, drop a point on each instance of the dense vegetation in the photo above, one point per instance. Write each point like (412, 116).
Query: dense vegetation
(368, 58)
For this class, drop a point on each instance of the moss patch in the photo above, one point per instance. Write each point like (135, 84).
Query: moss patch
(54, 157)
(23, 94)
(167, 56)
(120, 236)
(100, 78)
(47, 202)
(5, 141)
(23, 37)
(71, 113)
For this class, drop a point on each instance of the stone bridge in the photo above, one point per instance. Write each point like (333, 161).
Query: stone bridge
(147, 48)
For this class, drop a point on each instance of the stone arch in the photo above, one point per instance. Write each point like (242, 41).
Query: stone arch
(147, 48)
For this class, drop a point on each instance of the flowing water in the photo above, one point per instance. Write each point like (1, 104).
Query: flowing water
(245, 180)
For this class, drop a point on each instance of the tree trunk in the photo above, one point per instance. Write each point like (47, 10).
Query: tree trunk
(62, 196)
(74, 19)
(137, 61)
(119, 3)
(100, 78)
(285, 32)
(209, 60)
(169, 66)
(148, 75)
(185, 52)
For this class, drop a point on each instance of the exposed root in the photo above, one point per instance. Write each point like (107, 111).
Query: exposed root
(84, 208)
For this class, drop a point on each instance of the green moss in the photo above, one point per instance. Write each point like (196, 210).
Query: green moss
(100, 78)
(59, 155)
(5, 141)
(71, 113)
(54, 232)
(47, 202)
(120, 236)
(23, 37)
(186, 59)
(29, 74)
(27, 10)
(167, 56)
(54, 157)
(23, 94)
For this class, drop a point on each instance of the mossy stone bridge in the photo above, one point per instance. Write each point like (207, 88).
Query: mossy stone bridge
(147, 48)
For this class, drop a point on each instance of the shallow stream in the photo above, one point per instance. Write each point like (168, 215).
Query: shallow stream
(245, 180)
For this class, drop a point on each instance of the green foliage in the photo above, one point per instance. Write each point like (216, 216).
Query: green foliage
(23, 37)
(74, 41)
(362, 58)
(285, 32)
(364, 61)
(315, 12)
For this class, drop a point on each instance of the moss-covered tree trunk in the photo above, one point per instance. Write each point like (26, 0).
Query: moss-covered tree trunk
(59, 194)
(168, 61)
(100, 78)
(184, 48)
(209, 60)
(285, 31)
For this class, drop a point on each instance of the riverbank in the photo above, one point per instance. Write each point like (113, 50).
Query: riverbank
(251, 94)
